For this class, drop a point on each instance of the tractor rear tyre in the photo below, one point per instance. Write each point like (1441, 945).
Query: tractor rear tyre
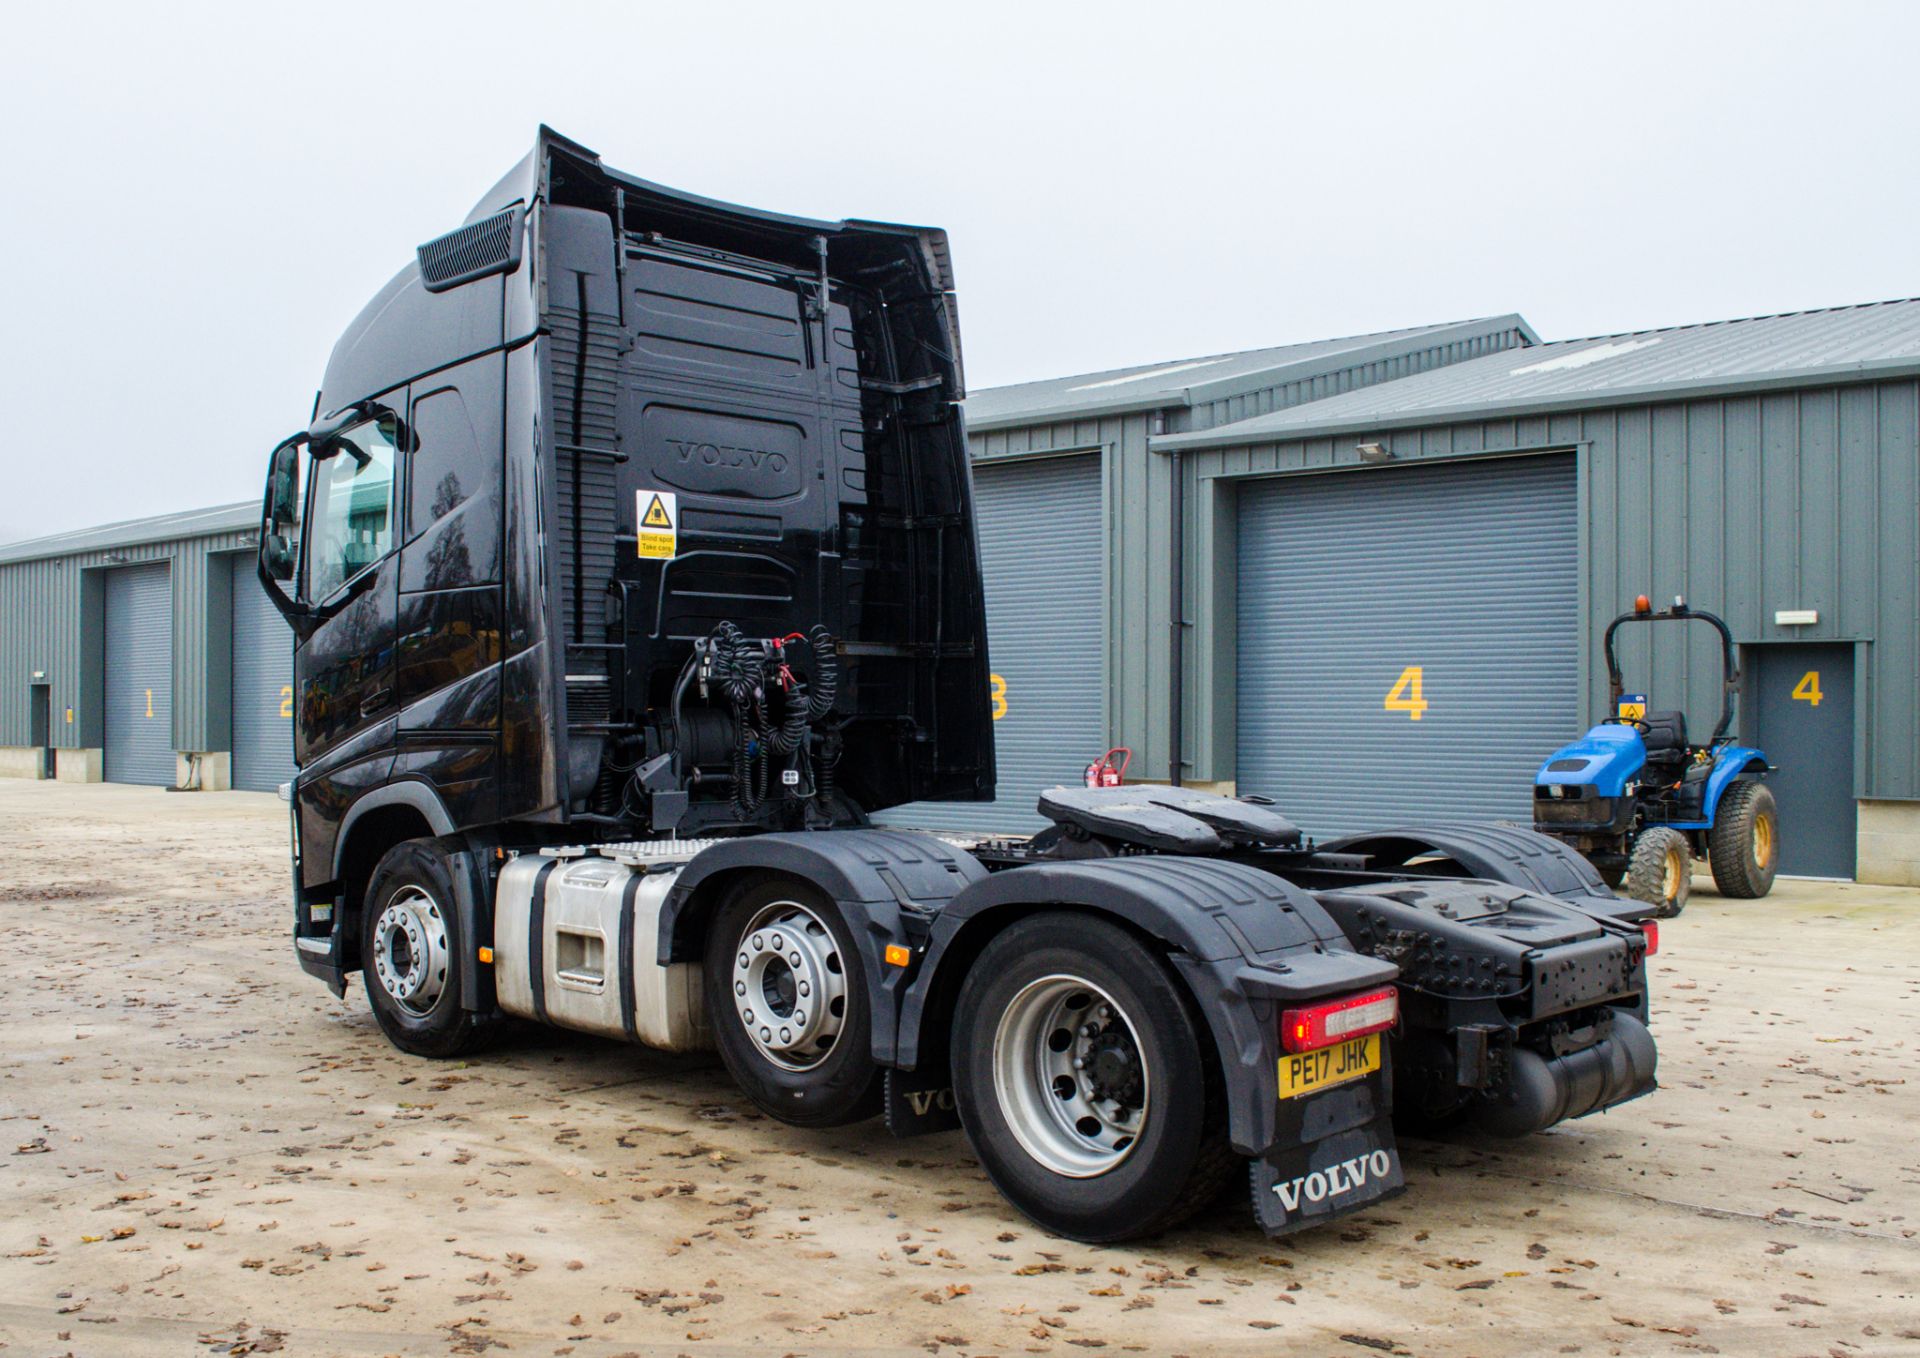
(1660, 870)
(787, 996)
(1744, 844)
(1084, 1080)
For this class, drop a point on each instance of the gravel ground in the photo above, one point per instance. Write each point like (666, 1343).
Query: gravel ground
(204, 1152)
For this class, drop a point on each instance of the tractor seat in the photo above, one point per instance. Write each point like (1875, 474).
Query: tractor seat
(1666, 732)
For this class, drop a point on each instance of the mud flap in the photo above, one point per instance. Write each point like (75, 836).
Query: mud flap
(920, 1102)
(1297, 1186)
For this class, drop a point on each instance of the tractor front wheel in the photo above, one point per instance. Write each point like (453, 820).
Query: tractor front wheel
(1660, 870)
(1744, 843)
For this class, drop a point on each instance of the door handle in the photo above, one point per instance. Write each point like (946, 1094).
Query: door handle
(374, 701)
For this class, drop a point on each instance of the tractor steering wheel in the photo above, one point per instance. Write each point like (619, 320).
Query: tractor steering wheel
(1634, 722)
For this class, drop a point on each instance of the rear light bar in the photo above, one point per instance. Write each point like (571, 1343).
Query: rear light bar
(1321, 1025)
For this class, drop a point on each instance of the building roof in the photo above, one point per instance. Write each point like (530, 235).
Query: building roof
(1184, 382)
(187, 523)
(1801, 348)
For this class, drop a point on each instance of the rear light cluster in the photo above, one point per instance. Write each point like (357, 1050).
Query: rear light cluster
(1652, 932)
(1321, 1025)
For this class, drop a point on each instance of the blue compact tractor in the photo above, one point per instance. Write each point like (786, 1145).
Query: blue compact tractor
(1642, 803)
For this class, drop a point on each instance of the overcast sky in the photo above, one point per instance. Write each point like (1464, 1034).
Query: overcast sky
(200, 198)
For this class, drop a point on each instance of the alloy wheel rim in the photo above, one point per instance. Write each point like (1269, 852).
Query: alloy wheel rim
(410, 954)
(789, 985)
(1069, 1076)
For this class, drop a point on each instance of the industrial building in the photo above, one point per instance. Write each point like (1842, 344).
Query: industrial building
(1366, 577)
(145, 652)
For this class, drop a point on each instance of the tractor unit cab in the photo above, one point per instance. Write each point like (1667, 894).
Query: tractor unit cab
(632, 510)
(1642, 801)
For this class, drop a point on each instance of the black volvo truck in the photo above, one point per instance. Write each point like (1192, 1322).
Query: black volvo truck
(630, 557)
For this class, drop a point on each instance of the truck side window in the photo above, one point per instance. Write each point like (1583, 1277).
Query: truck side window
(352, 523)
(443, 472)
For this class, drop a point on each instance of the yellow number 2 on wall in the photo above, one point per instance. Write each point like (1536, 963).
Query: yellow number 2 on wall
(1808, 689)
(997, 690)
(286, 700)
(1405, 695)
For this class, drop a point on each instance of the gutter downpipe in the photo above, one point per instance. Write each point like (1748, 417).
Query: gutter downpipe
(1176, 612)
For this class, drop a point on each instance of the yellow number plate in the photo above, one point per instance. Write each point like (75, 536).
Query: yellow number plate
(1311, 1072)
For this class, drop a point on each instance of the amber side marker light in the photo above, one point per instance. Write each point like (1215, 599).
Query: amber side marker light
(1322, 1025)
(898, 956)
(486, 955)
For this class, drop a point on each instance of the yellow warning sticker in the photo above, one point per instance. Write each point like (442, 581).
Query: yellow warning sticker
(658, 535)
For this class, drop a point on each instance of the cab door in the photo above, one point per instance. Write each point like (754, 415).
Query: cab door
(343, 673)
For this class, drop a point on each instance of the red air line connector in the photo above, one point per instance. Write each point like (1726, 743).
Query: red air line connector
(1321, 1025)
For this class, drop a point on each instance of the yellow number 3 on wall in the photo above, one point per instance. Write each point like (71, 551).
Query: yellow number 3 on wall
(1808, 689)
(1405, 695)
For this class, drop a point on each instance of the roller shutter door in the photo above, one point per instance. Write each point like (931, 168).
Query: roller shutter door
(1366, 597)
(1042, 545)
(262, 686)
(139, 677)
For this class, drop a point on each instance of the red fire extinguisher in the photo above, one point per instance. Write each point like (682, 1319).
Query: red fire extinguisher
(1103, 772)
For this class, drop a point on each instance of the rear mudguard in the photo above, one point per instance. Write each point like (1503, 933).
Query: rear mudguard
(1496, 853)
(889, 884)
(1729, 764)
(1246, 943)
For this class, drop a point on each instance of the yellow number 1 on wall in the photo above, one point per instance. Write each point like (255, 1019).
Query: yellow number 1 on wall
(1405, 695)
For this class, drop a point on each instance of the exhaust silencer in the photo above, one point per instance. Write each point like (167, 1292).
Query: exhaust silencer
(1540, 1091)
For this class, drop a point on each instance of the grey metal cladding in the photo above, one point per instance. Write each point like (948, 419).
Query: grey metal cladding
(1837, 344)
(1042, 546)
(262, 685)
(139, 675)
(1468, 571)
(1215, 377)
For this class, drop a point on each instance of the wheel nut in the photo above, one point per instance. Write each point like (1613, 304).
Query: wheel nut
(794, 959)
(777, 944)
(786, 1035)
(743, 959)
(758, 943)
(747, 1015)
(739, 987)
(800, 1018)
(766, 1035)
(805, 989)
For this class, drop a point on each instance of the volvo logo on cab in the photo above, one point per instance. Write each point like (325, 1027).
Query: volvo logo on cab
(727, 455)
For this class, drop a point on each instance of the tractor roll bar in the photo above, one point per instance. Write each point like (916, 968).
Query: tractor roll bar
(1679, 612)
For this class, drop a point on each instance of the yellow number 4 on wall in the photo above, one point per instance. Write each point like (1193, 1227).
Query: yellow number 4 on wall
(1808, 689)
(1405, 695)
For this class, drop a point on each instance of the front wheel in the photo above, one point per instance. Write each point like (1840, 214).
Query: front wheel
(1660, 869)
(1744, 844)
(412, 955)
(787, 996)
(1082, 1081)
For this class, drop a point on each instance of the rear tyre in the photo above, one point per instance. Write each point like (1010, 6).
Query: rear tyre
(1660, 870)
(412, 955)
(1744, 844)
(787, 997)
(1083, 1081)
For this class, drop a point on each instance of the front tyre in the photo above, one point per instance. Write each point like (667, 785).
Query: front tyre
(1744, 844)
(412, 955)
(1660, 869)
(787, 996)
(1082, 1081)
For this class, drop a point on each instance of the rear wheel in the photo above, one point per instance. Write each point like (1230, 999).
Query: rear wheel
(412, 955)
(1660, 869)
(1083, 1083)
(1744, 844)
(787, 997)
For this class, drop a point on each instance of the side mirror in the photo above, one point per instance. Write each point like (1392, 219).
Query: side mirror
(279, 558)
